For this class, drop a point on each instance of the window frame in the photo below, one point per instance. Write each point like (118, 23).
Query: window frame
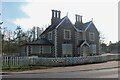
(50, 36)
(91, 36)
(65, 34)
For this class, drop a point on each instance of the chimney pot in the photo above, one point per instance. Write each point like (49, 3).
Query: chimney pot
(55, 16)
(59, 14)
(55, 13)
(78, 18)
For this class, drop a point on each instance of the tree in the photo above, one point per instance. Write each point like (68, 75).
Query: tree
(0, 38)
(12, 42)
(102, 38)
(103, 48)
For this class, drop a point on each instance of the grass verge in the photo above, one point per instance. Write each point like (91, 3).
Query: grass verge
(25, 68)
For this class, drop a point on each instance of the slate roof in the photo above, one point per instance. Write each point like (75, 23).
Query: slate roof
(51, 27)
(41, 41)
(85, 25)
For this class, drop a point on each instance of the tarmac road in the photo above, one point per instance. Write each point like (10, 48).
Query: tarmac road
(103, 73)
(101, 70)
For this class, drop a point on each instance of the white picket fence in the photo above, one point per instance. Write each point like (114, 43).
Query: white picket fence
(14, 61)
(25, 61)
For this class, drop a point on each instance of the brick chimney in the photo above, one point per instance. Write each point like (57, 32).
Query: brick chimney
(78, 18)
(78, 22)
(55, 16)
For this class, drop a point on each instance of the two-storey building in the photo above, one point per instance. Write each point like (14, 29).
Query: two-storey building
(65, 39)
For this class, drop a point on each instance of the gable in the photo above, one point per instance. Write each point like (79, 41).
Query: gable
(92, 27)
(66, 20)
(57, 25)
(82, 42)
(66, 24)
(86, 25)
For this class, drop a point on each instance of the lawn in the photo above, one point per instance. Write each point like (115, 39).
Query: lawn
(25, 68)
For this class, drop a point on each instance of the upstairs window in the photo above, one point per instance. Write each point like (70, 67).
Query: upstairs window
(92, 36)
(67, 34)
(50, 35)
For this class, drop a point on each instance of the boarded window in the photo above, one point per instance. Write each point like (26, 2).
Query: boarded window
(67, 49)
(67, 34)
(46, 49)
(93, 48)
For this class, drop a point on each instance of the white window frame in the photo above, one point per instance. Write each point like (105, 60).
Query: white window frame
(90, 37)
(50, 36)
(69, 34)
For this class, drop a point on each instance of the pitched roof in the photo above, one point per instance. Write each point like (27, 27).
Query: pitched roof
(53, 26)
(41, 41)
(82, 42)
(86, 25)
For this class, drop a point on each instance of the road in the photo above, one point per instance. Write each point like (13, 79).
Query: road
(103, 73)
(100, 70)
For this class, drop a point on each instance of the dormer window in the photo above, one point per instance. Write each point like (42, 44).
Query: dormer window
(67, 34)
(92, 36)
(50, 35)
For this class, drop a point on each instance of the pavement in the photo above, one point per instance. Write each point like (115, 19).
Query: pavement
(88, 67)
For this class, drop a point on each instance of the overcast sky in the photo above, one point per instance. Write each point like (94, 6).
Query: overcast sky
(29, 14)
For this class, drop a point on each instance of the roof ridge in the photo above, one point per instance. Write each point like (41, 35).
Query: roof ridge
(53, 26)
(87, 22)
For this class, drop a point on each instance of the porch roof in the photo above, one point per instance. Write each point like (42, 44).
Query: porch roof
(41, 41)
(82, 42)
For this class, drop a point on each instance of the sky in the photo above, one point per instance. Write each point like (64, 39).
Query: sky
(29, 13)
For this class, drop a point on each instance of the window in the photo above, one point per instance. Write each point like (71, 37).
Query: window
(93, 48)
(46, 49)
(67, 49)
(67, 34)
(50, 35)
(29, 50)
(91, 36)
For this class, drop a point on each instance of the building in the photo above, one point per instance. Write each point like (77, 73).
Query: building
(64, 39)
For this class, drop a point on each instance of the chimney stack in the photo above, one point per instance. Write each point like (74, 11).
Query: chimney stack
(53, 13)
(78, 23)
(59, 12)
(55, 16)
(78, 18)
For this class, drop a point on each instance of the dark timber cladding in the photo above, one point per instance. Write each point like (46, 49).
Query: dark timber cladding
(67, 39)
